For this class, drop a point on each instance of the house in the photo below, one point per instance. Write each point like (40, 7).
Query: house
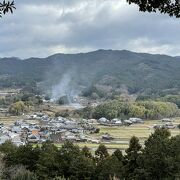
(136, 120)
(116, 121)
(157, 126)
(71, 138)
(24, 125)
(95, 141)
(17, 140)
(16, 129)
(103, 120)
(169, 125)
(4, 138)
(127, 122)
(33, 138)
(107, 137)
(35, 132)
(166, 120)
(56, 137)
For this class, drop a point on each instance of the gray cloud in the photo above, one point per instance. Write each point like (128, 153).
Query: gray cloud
(40, 28)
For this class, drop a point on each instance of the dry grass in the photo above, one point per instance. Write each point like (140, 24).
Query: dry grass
(123, 134)
(8, 120)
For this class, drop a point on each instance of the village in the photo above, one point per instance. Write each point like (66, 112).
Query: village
(38, 127)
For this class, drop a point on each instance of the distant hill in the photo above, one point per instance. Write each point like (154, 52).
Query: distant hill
(138, 72)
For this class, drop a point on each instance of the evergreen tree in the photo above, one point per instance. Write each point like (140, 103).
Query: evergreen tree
(66, 155)
(47, 165)
(82, 168)
(108, 168)
(156, 155)
(101, 152)
(28, 156)
(132, 157)
(86, 152)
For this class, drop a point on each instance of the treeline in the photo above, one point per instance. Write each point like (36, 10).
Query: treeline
(171, 98)
(158, 159)
(25, 100)
(141, 109)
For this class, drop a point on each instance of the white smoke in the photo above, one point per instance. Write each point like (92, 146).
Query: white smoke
(63, 87)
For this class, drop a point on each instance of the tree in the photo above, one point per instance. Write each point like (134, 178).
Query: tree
(82, 168)
(6, 6)
(8, 149)
(108, 168)
(66, 156)
(24, 152)
(174, 159)
(101, 152)
(47, 166)
(18, 173)
(25, 175)
(18, 108)
(111, 166)
(156, 156)
(117, 153)
(132, 157)
(170, 7)
(86, 152)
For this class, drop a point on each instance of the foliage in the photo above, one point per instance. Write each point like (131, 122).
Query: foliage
(6, 6)
(101, 152)
(82, 168)
(171, 98)
(24, 175)
(170, 7)
(108, 168)
(86, 152)
(140, 109)
(47, 166)
(131, 159)
(18, 108)
(159, 158)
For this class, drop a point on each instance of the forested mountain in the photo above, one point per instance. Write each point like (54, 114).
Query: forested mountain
(138, 72)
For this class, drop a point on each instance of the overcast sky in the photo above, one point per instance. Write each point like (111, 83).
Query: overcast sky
(39, 28)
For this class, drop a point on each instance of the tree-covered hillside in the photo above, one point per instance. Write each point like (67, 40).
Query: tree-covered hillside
(138, 72)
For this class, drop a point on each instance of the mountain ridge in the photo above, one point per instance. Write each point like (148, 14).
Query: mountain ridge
(139, 72)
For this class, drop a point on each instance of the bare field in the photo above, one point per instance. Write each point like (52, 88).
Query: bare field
(8, 120)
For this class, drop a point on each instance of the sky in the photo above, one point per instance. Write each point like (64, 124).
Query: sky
(39, 28)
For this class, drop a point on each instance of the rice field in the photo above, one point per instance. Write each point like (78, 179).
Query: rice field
(122, 134)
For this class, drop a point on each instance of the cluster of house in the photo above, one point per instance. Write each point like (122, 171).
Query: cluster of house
(119, 122)
(54, 129)
(166, 123)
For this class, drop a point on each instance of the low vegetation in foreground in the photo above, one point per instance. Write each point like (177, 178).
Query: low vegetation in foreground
(158, 159)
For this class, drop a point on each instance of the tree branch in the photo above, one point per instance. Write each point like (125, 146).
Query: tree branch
(6, 7)
(170, 7)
